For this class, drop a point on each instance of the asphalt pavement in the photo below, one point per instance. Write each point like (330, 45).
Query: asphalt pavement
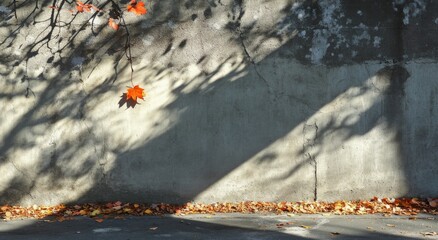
(226, 226)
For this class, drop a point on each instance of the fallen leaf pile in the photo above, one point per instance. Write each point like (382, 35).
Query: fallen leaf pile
(386, 206)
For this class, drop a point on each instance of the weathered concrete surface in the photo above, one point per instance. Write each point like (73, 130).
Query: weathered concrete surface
(246, 100)
(226, 226)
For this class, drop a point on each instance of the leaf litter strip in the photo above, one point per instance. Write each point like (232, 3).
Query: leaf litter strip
(99, 212)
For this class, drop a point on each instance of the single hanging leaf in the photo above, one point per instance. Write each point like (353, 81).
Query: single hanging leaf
(137, 7)
(113, 24)
(134, 93)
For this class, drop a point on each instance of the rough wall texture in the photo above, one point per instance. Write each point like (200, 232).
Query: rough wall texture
(246, 100)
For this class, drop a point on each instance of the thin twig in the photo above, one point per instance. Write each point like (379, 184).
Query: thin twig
(72, 38)
(128, 52)
(15, 9)
(128, 47)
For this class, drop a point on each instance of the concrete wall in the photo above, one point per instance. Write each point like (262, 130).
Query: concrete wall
(246, 100)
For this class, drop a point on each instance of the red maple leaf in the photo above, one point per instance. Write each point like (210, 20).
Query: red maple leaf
(134, 93)
(137, 7)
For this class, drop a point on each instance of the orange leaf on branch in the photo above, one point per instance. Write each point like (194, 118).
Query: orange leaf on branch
(134, 93)
(137, 7)
(81, 7)
(113, 24)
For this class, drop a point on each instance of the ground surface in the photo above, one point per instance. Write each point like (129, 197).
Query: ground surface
(227, 226)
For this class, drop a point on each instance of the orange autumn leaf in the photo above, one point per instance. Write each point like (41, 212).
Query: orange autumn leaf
(113, 24)
(134, 93)
(137, 7)
(80, 6)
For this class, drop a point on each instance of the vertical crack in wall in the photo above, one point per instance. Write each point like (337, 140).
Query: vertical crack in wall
(310, 133)
(238, 7)
(32, 181)
(100, 153)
